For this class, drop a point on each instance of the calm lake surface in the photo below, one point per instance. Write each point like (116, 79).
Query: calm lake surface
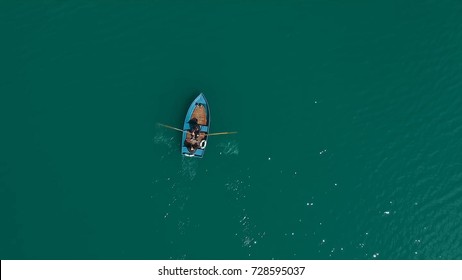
(349, 118)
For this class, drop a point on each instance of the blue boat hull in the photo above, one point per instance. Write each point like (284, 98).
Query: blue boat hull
(198, 120)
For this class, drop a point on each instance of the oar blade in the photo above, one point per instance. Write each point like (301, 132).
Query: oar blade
(171, 127)
(222, 133)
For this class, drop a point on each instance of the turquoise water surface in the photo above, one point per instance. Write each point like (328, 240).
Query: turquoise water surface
(348, 112)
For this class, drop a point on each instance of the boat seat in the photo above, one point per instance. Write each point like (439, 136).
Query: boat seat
(184, 150)
(204, 128)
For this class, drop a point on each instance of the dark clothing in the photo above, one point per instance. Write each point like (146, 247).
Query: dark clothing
(194, 126)
(192, 122)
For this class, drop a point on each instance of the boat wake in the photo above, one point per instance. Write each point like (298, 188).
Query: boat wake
(229, 148)
(248, 234)
(171, 196)
(189, 168)
(162, 139)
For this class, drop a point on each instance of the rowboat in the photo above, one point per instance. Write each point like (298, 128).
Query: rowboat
(196, 128)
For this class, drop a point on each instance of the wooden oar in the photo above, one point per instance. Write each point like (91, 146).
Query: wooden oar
(222, 133)
(171, 127)
(210, 134)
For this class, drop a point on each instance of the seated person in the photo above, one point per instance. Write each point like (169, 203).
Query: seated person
(192, 144)
(195, 128)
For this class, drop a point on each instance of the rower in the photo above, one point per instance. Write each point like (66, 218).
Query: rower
(195, 127)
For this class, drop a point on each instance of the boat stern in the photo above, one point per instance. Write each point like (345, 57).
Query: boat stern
(198, 153)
